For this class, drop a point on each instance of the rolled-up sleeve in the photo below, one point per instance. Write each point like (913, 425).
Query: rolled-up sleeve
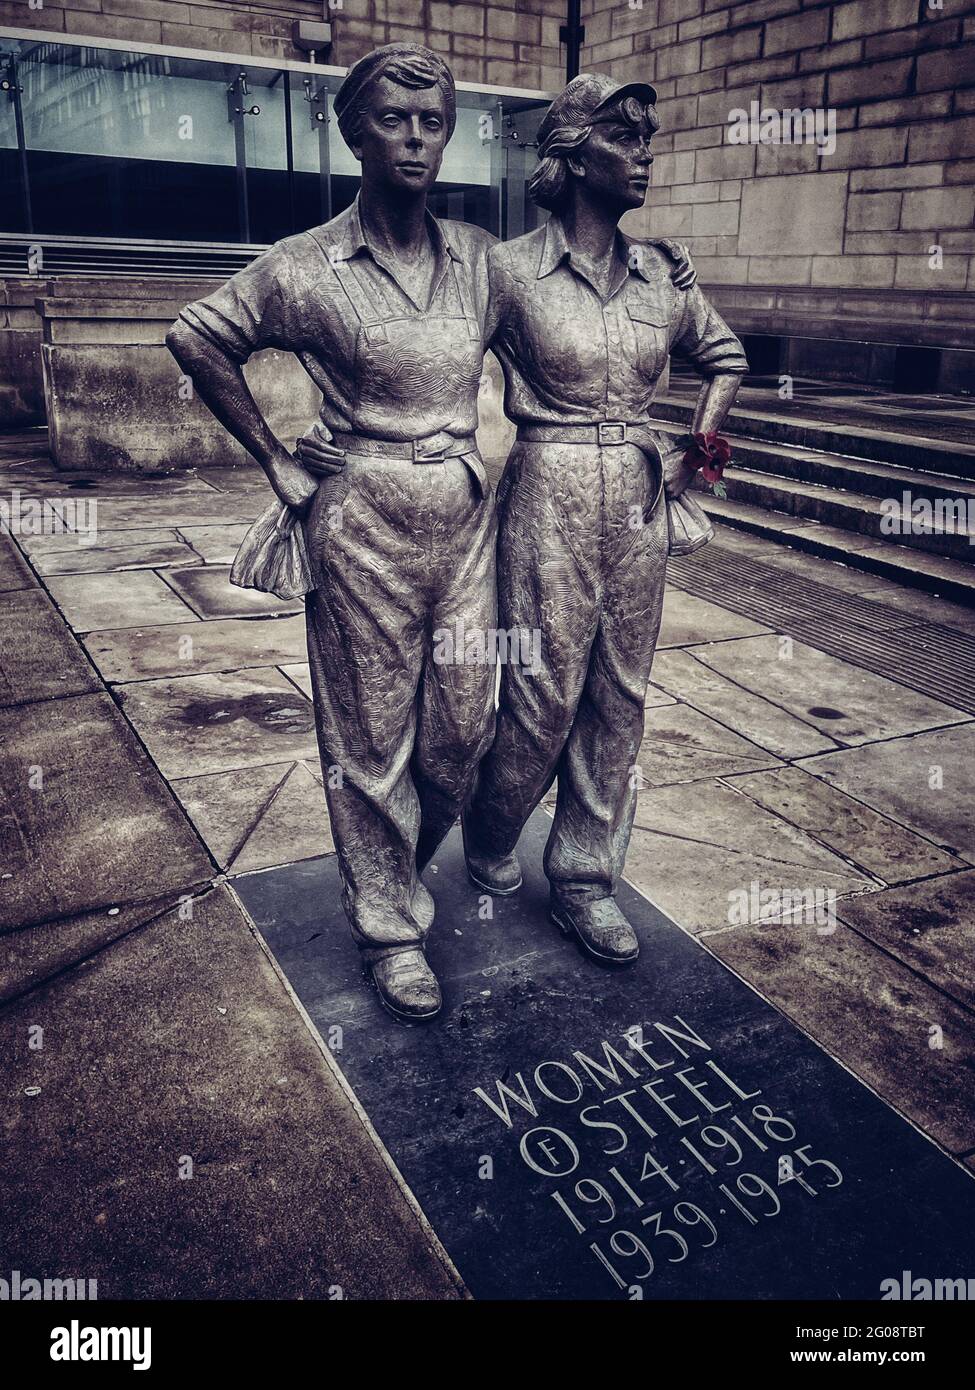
(704, 339)
(256, 308)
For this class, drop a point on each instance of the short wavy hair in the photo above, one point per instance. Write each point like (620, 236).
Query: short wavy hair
(549, 185)
(409, 65)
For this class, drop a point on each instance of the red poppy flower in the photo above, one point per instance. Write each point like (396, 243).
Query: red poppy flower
(708, 452)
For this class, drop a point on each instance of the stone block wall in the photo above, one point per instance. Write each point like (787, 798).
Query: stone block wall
(506, 43)
(899, 76)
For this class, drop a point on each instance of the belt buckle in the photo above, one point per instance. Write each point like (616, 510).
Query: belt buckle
(418, 457)
(612, 431)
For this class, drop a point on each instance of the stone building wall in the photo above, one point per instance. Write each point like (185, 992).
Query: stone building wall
(899, 75)
(505, 43)
(868, 242)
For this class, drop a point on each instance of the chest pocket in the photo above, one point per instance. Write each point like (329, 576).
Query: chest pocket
(651, 324)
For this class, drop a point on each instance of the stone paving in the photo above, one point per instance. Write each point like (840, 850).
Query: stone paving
(168, 717)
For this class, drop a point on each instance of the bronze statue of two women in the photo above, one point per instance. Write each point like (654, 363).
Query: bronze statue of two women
(386, 520)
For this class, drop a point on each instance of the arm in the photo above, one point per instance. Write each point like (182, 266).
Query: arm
(219, 382)
(706, 341)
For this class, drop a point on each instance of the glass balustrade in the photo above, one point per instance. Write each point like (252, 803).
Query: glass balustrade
(102, 141)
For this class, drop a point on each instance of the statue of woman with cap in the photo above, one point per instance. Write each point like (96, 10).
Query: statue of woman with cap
(583, 320)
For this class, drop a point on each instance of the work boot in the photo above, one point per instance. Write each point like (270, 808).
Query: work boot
(498, 875)
(407, 986)
(600, 927)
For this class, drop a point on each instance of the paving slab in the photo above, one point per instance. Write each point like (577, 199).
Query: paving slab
(241, 479)
(896, 778)
(764, 723)
(243, 1172)
(203, 509)
(849, 704)
(32, 955)
(92, 601)
(110, 540)
(214, 723)
(877, 844)
(85, 819)
(225, 806)
(655, 696)
(97, 559)
(110, 486)
(696, 850)
(228, 644)
(15, 572)
(217, 545)
(681, 745)
(688, 619)
(873, 1013)
(930, 926)
(499, 1107)
(209, 592)
(14, 471)
(294, 825)
(39, 659)
(258, 817)
(300, 673)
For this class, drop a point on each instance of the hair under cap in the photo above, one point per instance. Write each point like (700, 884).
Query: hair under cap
(583, 99)
(408, 63)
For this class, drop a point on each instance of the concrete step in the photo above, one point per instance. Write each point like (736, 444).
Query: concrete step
(920, 453)
(862, 476)
(920, 522)
(937, 574)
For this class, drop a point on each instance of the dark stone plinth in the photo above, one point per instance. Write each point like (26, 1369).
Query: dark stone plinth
(520, 1002)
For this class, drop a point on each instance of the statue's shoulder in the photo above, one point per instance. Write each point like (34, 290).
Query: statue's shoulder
(291, 250)
(650, 252)
(467, 234)
(472, 243)
(520, 255)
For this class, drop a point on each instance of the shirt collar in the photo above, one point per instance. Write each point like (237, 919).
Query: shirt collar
(351, 237)
(556, 249)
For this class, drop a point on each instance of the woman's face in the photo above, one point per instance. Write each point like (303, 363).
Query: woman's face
(615, 161)
(402, 136)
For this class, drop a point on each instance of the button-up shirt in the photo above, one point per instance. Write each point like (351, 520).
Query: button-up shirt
(293, 297)
(572, 357)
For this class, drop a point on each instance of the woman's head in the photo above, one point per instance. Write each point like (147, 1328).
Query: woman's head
(396, 110)
(598, 131)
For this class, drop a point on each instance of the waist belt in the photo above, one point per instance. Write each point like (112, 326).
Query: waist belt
(434, 449)
(605, 432)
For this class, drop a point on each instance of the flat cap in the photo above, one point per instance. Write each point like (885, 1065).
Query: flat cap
(584, 97)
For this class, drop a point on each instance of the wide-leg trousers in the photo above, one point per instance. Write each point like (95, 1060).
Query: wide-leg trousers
(400, 553)
(582, 557)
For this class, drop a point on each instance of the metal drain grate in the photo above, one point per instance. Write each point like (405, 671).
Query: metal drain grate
(934, 660)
